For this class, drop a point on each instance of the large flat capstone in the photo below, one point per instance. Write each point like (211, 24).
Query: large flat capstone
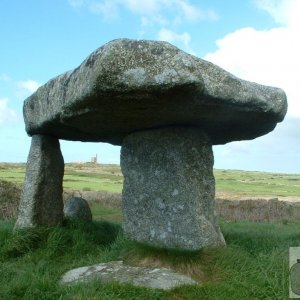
(41, 201)
(169, 189)
(131, 85)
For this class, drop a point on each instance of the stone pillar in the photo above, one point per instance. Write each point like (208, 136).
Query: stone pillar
(169, 189)
(41, 201)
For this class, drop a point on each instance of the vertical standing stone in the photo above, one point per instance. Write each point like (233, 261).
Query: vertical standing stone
(169, 188)
(41, 200)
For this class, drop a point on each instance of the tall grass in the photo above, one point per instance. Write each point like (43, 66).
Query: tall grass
(254, 265)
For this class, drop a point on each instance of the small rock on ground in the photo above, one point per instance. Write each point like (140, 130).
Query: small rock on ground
(78, 208)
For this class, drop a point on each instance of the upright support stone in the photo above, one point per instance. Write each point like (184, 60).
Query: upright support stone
(169, 188)
(41, 200)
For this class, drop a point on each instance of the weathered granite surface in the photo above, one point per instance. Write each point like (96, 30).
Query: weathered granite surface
(166, 108)
(41, 201)
(130, 85)
(169, 189)
(116, 271)
(77, 208)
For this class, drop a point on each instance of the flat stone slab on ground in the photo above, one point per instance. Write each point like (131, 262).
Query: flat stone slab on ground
(157, 278)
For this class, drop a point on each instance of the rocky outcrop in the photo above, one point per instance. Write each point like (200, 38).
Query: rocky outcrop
(77, 208)
(41, 201)
(131, 85)
(169, 189)
(116, 271)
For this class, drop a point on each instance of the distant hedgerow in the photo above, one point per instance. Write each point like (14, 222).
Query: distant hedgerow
(9, 199)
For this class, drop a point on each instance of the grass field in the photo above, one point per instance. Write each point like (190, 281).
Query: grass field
(92, 177)
(253, 265)
(257, 183)
(88, 177)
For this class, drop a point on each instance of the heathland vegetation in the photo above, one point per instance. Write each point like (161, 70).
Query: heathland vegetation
(254, 265)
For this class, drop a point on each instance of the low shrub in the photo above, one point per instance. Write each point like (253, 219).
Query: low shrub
(108, 199)
(9, 199)
(258, 210)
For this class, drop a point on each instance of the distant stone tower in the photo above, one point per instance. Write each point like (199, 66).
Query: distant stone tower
(94, 159)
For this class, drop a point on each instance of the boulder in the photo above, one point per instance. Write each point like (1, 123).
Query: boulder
(131, 85)
(41, 200)
(169, 189)
(77, 208)
(116, 271)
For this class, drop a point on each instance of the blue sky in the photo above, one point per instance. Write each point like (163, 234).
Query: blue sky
(257, 40)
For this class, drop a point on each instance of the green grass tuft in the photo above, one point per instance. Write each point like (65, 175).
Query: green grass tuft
(74, 235)
(254, 265)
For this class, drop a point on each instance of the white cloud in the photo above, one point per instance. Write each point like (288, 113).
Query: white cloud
(28, 85)
(275, 152)
(154, 20)
(150, 11)
(145, 7)
(181, 9)
(171, 36)
(108, 9)
(269, 57)
(285, 12)
(193, 13)
(176, 38)
(7, 115)
(189, 11)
